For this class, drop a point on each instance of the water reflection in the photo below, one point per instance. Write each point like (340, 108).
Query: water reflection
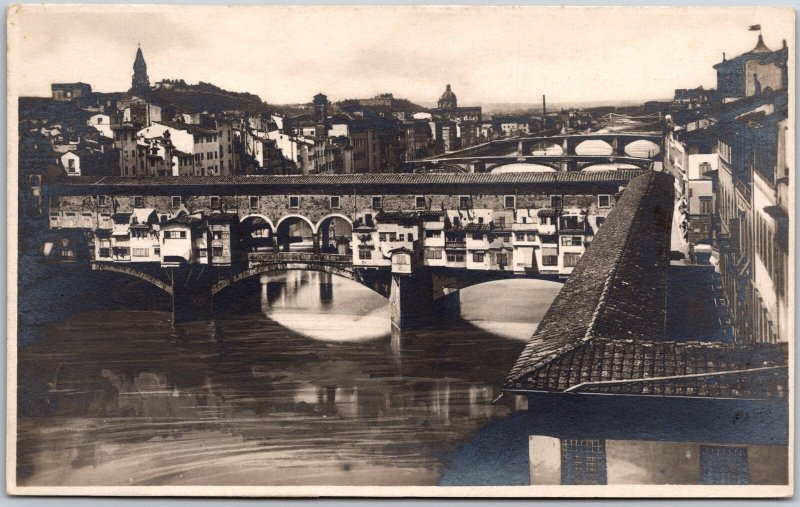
(122, 398)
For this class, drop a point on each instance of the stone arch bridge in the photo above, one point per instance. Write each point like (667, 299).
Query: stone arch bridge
(80, 202)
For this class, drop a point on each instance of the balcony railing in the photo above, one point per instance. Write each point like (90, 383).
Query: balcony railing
(455, 244)
(298, 257)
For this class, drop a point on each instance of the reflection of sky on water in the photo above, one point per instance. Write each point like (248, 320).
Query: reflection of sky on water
(121, 398)
(304, 302)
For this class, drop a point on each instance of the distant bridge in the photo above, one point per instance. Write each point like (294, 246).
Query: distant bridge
(487, 156)
(556, 162)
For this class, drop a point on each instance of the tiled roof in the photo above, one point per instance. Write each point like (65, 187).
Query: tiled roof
(667, 369)
(223, 218)
(604, 332)
(188, 127)
(473, 227)
(280, 182)
(618, 288)
(184, 220)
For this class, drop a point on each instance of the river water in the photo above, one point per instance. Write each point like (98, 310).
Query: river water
(308, 387)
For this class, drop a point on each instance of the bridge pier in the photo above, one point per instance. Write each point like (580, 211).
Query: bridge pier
(411, 300)
(192, 299)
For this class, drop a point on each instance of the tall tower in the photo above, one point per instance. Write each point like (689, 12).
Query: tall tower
(140, 82)
(321, 115)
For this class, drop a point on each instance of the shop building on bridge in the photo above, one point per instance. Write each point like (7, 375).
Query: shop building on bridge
(533, 223)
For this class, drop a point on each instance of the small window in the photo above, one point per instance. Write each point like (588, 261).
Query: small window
(216, 251)
(102, 200)
(433, 234)
(510, 201)
(464, 202)
(176, 201)
(138, 201)
(603, 201)
(599, 221)
(549, 260)
(377, 202)
(478, 257)
(253, 201)
(419, 202)
(294, 201)
(364, 254)
(217, 235)
(215, 203)
(432, 253)
(334, 201)
(556, 201)
(571, 259)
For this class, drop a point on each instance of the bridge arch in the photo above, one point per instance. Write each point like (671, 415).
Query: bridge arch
(127, 270)
(295, 229)
(526, 167)
(547, 148)
(258, 231)
(594, 147)
(341, 270)
(331, 216)
(611, 165)
(263, 217)
(643, 148)
(307, 220)
(334, 232)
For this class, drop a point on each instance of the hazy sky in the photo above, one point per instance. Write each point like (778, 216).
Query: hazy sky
(488, 55)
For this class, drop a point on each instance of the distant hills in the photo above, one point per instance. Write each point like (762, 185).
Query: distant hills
(206, 97)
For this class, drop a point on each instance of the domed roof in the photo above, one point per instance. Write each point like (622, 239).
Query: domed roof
(448, 94)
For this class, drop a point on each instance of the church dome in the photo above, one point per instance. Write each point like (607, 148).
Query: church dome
(448, 99)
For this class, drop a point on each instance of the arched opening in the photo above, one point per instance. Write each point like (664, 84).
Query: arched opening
(593, 168)
(596, 147)
(509, 308)
(642, 149)
(344, 310)
(295, 233)
(547, 148)
(523, 168)
(334, 233)
(258, 233)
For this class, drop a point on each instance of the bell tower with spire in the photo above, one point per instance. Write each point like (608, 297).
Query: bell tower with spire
(140, 82)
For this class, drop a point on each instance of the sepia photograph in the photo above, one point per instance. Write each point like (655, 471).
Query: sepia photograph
(405, 251)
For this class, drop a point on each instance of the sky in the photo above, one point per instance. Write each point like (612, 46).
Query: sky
(489, 55)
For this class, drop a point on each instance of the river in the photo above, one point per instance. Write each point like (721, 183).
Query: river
(308, 386)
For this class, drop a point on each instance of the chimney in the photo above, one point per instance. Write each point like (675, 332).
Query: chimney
(723, 57)
(544, 105)
(784, 43)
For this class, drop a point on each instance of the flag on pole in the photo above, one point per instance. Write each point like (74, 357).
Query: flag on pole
(754, 28)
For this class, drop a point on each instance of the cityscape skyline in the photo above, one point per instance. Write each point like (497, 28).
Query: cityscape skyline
(314, 57)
